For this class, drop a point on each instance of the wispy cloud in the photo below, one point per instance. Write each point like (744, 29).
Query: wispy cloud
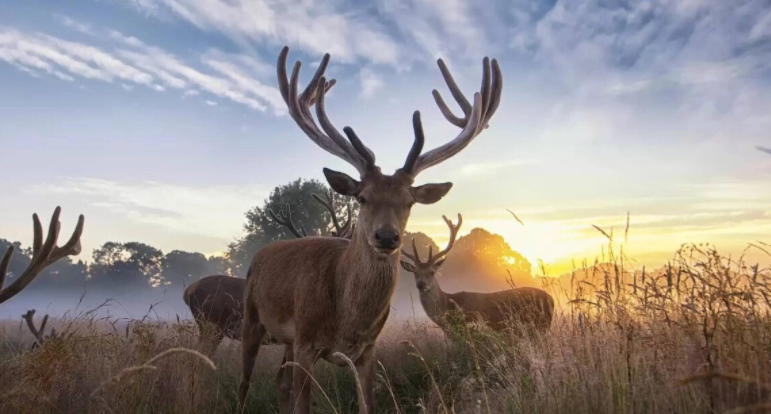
(371, 82)
(316, 27)
(487, 168)
(214, 211)
(133, 62)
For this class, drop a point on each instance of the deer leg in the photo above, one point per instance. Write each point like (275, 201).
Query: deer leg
(301, 380)
(365, 368)
(284, 381)
(251, 339)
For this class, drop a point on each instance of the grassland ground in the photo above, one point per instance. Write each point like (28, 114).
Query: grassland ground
(694, 337)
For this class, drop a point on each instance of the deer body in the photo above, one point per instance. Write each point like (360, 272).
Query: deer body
(499, 310)
(334, 300)
(217, 300)
(329, 297)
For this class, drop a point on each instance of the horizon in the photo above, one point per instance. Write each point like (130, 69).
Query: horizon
(161, 121)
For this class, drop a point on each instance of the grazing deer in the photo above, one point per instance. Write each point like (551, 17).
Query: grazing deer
(216, 302)
(330, 297)
(44, 254)
(527, 306)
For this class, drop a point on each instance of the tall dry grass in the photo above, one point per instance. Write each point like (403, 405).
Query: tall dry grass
(692, 337)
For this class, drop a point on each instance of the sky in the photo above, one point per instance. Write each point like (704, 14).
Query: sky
(161, 121)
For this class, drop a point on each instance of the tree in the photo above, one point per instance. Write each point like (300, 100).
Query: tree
(64, 274)
(481, 254)
(261, 230)
(182, 268)
(127, 265)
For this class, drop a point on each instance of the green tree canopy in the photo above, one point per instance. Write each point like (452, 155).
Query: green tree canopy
(261, 230)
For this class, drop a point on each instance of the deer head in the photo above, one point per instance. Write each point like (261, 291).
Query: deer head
(386, 200)
(425, 272)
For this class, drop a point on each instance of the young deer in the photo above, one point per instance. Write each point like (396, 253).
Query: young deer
(216, 302)
(330, 297)
(526, 306)
(44, 254)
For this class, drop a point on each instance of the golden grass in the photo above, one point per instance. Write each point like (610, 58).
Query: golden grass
(694, 337)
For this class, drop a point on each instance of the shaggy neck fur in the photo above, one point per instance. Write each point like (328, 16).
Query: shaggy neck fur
(367, 282)
(435, 302)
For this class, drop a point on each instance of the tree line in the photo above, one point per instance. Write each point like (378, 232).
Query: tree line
(136, 266)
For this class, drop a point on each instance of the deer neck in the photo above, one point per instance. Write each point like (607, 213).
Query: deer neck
(435, 302)
(368, 281)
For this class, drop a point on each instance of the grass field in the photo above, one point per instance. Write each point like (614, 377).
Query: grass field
(693, 337)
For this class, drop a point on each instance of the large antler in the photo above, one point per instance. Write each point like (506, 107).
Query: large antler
(44, 254)
(330, 139)
(475, 118)
(415, 257)
(284, 218)
(329, 204)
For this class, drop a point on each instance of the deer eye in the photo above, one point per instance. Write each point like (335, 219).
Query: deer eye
(362, 200)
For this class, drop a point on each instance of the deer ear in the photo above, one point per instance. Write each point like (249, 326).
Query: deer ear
(439, 263)
(430, 193)
(342, 183)
(408, 266)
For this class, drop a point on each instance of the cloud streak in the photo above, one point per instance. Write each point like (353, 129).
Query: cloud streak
(131, 62)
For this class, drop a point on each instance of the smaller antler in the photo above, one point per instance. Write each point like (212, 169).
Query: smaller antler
(329, 204)
(284, 218)
(44, 254)
(415, 257)
(764, 149)
(37, 333)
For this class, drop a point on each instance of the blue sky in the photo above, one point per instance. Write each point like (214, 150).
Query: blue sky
(161, 121)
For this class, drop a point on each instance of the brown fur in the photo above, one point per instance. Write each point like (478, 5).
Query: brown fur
(217, 300)
(499, 310)
(323, 297)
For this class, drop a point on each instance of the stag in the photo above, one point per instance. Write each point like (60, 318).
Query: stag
(330, 297)
(216, 302)
(522, 306)
(44, 254)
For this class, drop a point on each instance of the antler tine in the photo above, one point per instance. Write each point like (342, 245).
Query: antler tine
(44, 254)
(37, 334)
(284, 218)
(72, 247)
(330, 138)
(330, 206)
(453, 235)
(475, 119)
(347, 226)
(4, 264)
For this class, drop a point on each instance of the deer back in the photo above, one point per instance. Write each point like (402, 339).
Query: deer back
(219, 300)
(499, 309)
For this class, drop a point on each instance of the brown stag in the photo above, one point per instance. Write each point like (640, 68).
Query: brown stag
(330, 297)
(216, 302)
(520, 307)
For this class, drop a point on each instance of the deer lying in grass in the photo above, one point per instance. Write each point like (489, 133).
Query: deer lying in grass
(499, 310)
(216, 302)
(44, 254)
(330, 297)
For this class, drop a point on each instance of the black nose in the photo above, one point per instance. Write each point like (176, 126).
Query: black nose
(387, 239)
(421, 285)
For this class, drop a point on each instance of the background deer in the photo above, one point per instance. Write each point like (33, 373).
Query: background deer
(216, 302)
(330, 297)
(499, 310)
